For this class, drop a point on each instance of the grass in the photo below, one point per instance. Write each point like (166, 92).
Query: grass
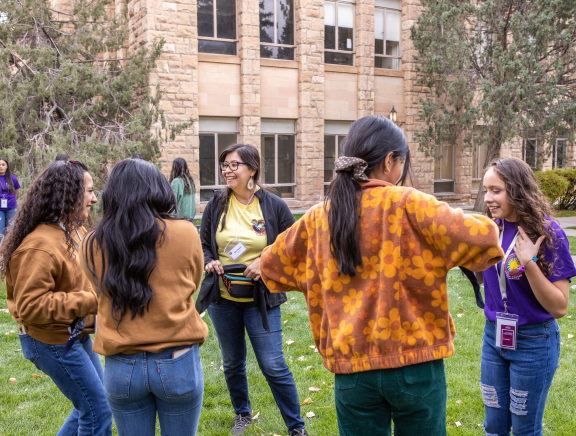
(34, 406)
(564, 213)
(572, 242)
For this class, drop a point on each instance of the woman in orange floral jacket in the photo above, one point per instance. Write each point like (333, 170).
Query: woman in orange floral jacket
(372, 262)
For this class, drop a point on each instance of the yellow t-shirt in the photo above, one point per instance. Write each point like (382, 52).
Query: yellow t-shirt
(245, 225)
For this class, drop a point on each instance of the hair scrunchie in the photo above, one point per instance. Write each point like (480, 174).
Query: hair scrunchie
(354, 165)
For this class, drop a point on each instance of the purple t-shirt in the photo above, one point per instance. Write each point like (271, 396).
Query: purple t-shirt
(6, 193)
(521, 299)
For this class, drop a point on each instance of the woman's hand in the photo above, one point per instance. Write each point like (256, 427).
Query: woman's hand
(525, 248)
(214, 266)
(253, 270)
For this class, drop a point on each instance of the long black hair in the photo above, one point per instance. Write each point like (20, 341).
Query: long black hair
(134, 200)
(250, 156)
(8, 176)
(180, 169)
(370, 138)
(56, 196)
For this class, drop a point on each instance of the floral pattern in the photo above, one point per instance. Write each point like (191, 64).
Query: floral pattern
(394, 311)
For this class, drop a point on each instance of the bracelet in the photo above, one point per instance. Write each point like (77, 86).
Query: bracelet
(522, 268)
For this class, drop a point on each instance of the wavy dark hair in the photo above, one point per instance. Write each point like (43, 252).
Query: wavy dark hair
(370, 138)
(135, 200)
(180, 169)
(249, 154)
(532, 207)
(8, 176)
(55, 196)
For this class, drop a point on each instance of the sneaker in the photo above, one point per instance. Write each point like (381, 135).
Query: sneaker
(241, 423)
(299, 432)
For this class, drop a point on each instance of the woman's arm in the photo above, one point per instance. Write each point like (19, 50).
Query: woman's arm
(553, 296)
(211, 264)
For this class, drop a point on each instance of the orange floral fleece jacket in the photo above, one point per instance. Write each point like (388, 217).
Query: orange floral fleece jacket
(394, 311)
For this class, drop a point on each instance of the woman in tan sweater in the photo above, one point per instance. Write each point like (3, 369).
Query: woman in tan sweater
(49, 296)
(145, 267)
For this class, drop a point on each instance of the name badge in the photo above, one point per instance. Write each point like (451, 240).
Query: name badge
(236, 251)
(506, 330)
(4, 203)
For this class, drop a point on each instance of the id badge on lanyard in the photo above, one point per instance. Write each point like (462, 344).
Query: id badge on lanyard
(4, 203)
(506, 323)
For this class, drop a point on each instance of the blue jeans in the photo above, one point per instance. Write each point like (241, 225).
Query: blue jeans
(230, 319)
(515, 383)
(78, 375)
(5, 218)
(139, 385)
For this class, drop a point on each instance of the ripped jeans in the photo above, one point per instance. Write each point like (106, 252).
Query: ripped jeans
(515, 383)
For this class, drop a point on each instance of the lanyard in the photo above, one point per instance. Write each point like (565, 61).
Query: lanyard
(501, 275)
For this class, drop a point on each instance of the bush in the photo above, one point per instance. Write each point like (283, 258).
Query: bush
(567, 200)
(553, 185)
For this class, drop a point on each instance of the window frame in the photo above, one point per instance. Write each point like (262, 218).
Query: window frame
(215, 30)
(398, 58)
(276, 43)
(351, 52)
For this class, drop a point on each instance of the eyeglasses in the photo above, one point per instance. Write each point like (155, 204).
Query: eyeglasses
(232, 165)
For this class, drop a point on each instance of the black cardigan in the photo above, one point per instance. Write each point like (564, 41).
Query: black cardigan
(277, 217)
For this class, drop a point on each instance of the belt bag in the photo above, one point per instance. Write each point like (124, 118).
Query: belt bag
(238, 286)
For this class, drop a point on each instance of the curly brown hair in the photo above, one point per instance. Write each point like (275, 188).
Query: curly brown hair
(55, 196)
(533, 209)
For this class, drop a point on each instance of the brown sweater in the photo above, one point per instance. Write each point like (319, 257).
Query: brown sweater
(46, 289)
(171, 319)
(394, 311)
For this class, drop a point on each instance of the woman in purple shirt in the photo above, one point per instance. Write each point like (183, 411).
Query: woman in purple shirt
(8, 189)
(525, 293)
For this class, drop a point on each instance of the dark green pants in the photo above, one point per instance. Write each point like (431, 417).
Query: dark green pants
(413, 397)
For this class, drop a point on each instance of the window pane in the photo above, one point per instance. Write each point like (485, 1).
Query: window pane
(345, 38)
(275, 52)
(217, 47)
(268, 159)
(206, 18)
(286, 159)
(207, 159)
(284, 191)
(388, 63)
(392, 48)
(226, 13)
(530, 152)
(330, 14)
(285, 17)
(329, 156)
(379, 24)
(345, 15)
(267, 20)
(206, 194)
(392, 25)
(338, 58)
(444, 163)
(379, 46)
(341, 145)
(329, 37)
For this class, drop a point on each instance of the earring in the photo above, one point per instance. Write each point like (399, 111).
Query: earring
(250, 184)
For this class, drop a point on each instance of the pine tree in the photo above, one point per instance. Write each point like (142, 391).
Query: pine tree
(495, 70)
(67, 86)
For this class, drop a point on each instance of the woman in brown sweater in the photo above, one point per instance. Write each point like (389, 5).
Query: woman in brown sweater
(49, 296)
(145, 267)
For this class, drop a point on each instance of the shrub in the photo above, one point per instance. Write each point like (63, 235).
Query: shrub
(552, 184)
(568, 199)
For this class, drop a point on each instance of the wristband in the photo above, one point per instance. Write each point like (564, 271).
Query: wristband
(522, 268)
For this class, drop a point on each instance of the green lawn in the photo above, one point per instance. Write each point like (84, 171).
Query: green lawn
(33, 406)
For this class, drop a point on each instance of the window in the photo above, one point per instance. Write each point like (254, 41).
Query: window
(387, 18)
(339, 32)
(559, 149)
(215, 135)
(277, 29)
(334, 134)
(217, 26)
(279, 156)
(529, 149)
(479, 155)
(444, 169)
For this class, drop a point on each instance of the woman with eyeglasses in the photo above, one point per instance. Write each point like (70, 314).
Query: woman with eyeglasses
(50, 297)
(236, 226)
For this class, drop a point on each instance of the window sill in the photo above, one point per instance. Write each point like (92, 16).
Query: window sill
(278, 63)
(340, 68)
(218, 58)
(388, 73)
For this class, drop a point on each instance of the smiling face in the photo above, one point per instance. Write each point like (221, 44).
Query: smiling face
(238, 179)
(89, 197)
(3, 167)
(496, 197)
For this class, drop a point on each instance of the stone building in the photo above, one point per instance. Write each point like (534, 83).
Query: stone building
(290, 76)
